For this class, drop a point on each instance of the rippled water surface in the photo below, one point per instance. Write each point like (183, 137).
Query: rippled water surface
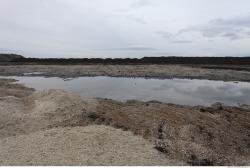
(178, 91)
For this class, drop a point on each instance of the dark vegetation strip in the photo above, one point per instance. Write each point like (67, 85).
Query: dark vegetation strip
(17, 59)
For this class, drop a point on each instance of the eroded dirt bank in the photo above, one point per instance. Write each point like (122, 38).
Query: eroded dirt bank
(147, 71)
(135, 133)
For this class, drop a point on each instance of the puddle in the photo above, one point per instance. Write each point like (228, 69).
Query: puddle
(178, 91)
(34, 73)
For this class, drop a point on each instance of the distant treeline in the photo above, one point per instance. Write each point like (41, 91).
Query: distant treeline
(9, 57)
(18, 59)
(144, 60)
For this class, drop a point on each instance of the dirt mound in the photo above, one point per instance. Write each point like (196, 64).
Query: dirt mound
(91, 145)
(197, 135)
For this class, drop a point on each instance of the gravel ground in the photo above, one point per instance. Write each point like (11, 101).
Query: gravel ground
(90, 145)
(146, 71)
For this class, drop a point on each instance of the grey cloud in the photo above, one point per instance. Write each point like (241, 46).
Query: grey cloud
(208, 49)
(232, 36)
(129, 49)
(237, 21)
(234, 28)
(174, 38)
(165, 34)
(182, 41)
(136, 19)
(128, 17)
(141, 3)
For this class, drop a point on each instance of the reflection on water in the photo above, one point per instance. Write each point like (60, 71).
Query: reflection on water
(178, 91)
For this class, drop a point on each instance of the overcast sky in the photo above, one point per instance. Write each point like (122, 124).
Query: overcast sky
(125, 28)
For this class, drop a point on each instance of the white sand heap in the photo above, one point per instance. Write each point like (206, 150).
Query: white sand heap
(91, 145)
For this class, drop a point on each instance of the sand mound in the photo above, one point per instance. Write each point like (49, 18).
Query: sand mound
(42, 129)
(91, 145)
(41, 110)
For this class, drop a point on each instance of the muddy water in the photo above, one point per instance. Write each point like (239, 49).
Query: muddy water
(178, 91)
